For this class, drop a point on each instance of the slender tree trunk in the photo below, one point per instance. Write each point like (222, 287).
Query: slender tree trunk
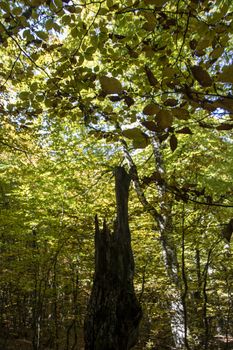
(163, 218)
(55, 305)
(37, 305)
(178, 320)
(113, 313)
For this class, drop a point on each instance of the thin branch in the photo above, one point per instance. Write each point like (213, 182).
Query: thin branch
(184, 38)
(143, 282)
(23, 51)
(205, 301)
(87, 30)
(185, 282)
(13, 147)
(29, 57)
(210, 204)
(141, 195)
(177, 13)
(12, 68)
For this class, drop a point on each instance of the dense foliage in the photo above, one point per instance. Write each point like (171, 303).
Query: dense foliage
(89, 85)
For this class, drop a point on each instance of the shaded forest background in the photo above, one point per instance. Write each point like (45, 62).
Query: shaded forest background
(88, 86)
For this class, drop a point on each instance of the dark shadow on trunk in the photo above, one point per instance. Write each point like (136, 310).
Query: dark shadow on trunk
(113, 313)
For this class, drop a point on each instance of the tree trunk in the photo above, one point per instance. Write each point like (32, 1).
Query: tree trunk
(113, 313)
(163, 218)
(165, 225)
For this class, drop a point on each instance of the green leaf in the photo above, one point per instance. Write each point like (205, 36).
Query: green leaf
(27, 35)
(150, 76)
(217, 52)
(133, 133)
(140, 139)
(150, 125)
(202, 76)
(150, 23)
(58, 3)
(151, 109)
(224, 126)
(66, 19)
(49, 24)
(24, 95)
(33, 86)
(39, 97)
(42, 35)
(181, 113)
(17, 11)
(164, 119)
(227, 75)
(5, 6)
(110, 85)
(110, 3)
(56, 27)
(185, 130)
(141, 142)
(103, 11)
(75, 32)
(157, 3)
(173, 142)
(170, 102)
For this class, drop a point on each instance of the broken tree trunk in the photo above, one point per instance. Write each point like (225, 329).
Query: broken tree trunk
(113, 313)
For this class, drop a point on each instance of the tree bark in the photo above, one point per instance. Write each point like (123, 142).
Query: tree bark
(178, 317)
(163, 218)
(113, 313)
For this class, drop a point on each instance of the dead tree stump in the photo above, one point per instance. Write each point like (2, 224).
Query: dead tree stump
(113, 313)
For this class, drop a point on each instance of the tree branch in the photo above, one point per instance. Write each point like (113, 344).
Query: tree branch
(138, 188)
